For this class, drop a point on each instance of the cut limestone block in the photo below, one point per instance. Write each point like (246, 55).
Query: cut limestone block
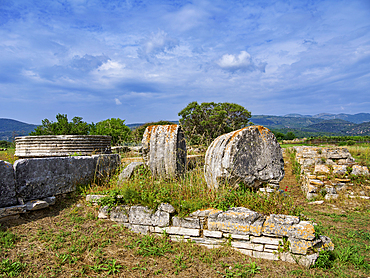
(61, 145)
(7, 185)
(164, 150)
(251, 156)
(237, 220)
(290, 226)
(339, 169)
(358, 170)
(128, 171)
(43, 177)
(14, 210)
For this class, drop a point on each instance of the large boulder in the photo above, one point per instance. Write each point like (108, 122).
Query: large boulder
(164, 150)
(251, 156)
(7, 185)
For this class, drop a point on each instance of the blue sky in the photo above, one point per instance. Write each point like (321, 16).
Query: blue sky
(146, 60)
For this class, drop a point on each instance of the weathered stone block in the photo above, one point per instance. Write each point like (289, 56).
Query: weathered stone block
(250, 155)
(358, 170)
(245, 251)
(43, 177)
(141, 215)
(36, 205)
(178, 231)
(271, 248)
(61, 145)
(339, 169)
(166, 208)
(7, 185)
(164, 150)
(103, 212)
(128, 171)
(94, 198)
(204, 212)
(186, 222)
(105, 165)
(317, 182)
(321, 169)
(266, 256)
(215, 234)
(285, 225)
(120, 214)
(236, 236)
(140, 229)
(161, 218)
(247, 245)
(235, 220)
(9, 211)
(299, 246)
(265, 240)
(208, 241)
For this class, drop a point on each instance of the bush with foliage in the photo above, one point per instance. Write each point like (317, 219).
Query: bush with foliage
(62, 126)
(112, 127)
(5, 144)
(204, 122)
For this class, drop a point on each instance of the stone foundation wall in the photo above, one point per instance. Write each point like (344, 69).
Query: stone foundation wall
(330, 171)
(273, 237)
(30, 183)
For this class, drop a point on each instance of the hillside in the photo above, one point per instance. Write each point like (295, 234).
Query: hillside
(356, 118)
(278, 122)
(360, 129)
(332, 126)
(10, 128)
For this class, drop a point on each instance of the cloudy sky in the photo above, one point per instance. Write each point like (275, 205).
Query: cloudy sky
(145, 60)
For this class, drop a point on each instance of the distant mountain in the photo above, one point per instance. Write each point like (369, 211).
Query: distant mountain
(332, 126)
(298, 116)
(278, 122)
(360, 129)
(356, 118)
(10, 128)
(324, 124)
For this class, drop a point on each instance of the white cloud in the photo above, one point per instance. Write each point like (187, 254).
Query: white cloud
(117, 101)
(242, 62)
(157, 43)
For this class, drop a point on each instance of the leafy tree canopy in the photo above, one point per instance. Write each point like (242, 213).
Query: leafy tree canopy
(62, 126)
(139, 131)
(112, 127)
(204, 122)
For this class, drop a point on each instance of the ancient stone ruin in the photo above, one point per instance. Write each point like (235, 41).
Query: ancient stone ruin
(251, 156)
(61, 145)
(329, 171)
(164, 150)
(273, 237)
(33, 183)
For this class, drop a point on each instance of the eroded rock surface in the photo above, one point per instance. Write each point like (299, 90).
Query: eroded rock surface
(250, 155)
(164, 150)
(7, 185)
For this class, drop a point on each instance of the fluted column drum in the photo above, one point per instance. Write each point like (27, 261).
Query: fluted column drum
(61, 145)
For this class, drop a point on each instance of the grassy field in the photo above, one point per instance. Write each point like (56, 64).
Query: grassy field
(67, 240)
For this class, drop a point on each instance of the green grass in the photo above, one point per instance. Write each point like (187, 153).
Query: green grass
(8, 155)
(190, 193)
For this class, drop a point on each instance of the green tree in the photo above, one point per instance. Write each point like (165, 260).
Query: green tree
(62, 126)
(112, 127)
(138, 132)
(290, 136)
(279, 136)
(203, 123)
